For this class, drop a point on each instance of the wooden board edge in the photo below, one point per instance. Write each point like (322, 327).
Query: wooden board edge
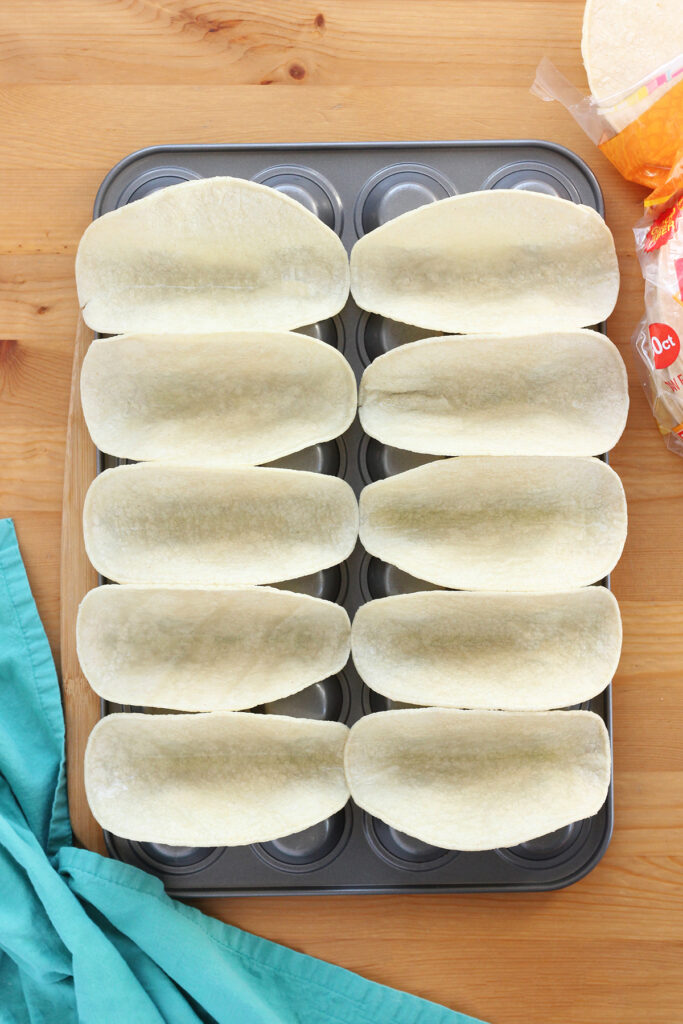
(77, 576)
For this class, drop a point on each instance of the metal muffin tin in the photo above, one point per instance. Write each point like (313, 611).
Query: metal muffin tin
(353, 188)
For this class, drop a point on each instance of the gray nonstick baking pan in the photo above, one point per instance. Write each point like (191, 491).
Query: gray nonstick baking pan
(354, 187)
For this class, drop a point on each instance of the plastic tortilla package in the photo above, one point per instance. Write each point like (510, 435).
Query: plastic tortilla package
(657, 339)
(635, 116)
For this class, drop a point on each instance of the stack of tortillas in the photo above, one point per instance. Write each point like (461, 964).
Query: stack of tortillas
(633, 55)
(203, 285)
(623, 42)
(519, 525)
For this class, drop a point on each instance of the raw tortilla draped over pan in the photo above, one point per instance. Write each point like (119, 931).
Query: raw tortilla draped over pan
(477, 780)
(489, 262)
(221, 254)
(534, 394)
(222, 779)
(486, 523)
(213, 526)
(229, 399)
(207, 649)
(512, 652)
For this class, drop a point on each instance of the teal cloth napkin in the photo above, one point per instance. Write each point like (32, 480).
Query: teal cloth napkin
(84, 938)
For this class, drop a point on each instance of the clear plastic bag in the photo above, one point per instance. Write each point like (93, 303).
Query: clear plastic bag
(641, 132)
(657, 339)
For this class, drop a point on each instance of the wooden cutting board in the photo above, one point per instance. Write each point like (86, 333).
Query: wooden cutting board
(77, 577)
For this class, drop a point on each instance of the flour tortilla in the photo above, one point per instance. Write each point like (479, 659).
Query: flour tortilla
(498, 261)
(478, 780)
(220, 254)
(207, 649)
(223, 779)
(624, 41)
(213, 526)
(480, 523)
(512, 652)
(554, 393)
(228, 399)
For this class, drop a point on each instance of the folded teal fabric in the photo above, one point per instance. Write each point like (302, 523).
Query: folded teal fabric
(84, 938)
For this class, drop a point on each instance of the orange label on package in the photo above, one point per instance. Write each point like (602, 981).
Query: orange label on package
(663, 227)
(666, 345)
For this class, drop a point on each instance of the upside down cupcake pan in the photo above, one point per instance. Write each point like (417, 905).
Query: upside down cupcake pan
(354, 188)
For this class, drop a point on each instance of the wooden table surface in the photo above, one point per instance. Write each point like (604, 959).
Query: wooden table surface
(83, 83)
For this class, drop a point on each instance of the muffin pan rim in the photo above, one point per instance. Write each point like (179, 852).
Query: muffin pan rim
(385, 155)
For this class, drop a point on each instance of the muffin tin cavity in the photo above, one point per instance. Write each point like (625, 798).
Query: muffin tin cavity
(178, 859)
(330, 331)
(533, 176)
(402, 851)
(154, 180)
(325, 457)
(307, 187)
(551, 849)
(327, 700)
(311, 849)
(330, 584)
(398, 189)
(379, 579)
(373, 702)
(378, 460)
(377, 335)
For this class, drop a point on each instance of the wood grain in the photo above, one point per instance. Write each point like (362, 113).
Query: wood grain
(83, 83)
(287, 42)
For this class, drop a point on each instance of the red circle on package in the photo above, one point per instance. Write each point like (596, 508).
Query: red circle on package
(666, 345)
